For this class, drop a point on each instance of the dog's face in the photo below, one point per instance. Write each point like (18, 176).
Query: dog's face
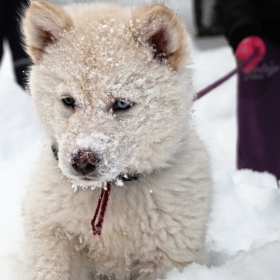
(109, 86)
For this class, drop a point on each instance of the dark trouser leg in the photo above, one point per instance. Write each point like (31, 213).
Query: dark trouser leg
(259, 115)
(20, 58)
(198, 17)
(214, 27)
(217, 26)
(3, 24)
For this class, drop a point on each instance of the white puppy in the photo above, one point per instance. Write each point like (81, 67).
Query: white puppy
(112, 91)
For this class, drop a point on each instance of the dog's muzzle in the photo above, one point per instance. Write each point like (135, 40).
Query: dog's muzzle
(85, 162)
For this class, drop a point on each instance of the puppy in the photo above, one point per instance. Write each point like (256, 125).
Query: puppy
(113, 94)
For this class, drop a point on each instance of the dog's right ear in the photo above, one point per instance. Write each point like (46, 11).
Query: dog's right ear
(42, 25)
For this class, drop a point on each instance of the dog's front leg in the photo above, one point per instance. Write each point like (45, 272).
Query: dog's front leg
(52, 258)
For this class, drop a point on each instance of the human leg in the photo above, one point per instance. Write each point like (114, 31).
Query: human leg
(21, 60)
(259, 115)
(3, 13)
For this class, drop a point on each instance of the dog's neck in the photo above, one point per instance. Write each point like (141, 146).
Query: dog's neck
(128, 177)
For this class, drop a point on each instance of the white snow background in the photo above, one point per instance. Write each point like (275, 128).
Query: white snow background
(243, 238)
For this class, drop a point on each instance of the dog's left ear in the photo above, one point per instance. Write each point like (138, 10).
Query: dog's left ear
(160, 29)
(42, 26)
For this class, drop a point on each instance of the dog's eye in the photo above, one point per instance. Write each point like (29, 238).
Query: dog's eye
(69, 101)
(122, 105)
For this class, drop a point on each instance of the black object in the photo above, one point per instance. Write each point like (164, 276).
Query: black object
(208, 18)
(10, 13)
(243, 18)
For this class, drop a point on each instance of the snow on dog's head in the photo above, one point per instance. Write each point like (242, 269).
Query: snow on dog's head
(107, 82)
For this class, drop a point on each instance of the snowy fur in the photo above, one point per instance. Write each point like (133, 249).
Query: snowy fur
(97, 54)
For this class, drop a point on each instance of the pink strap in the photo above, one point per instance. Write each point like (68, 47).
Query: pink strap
(223, 79)
(104, 197)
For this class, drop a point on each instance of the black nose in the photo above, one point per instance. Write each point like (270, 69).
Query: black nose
(84, 161)
(84, 170)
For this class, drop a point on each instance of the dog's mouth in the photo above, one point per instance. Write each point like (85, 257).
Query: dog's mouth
(117, 180)
(86, 179)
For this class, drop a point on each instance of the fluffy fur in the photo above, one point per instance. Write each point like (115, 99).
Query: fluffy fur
(98, 54)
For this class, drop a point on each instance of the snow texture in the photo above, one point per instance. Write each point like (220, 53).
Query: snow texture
(243, 238)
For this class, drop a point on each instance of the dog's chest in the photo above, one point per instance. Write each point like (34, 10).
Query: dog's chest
(126, 228)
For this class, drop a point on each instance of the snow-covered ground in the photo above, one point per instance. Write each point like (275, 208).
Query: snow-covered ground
(243, 238)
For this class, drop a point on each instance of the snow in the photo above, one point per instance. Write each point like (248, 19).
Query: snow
(243, 238)
(253, 265)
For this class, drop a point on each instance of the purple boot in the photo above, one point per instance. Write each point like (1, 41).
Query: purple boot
(259, 115)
